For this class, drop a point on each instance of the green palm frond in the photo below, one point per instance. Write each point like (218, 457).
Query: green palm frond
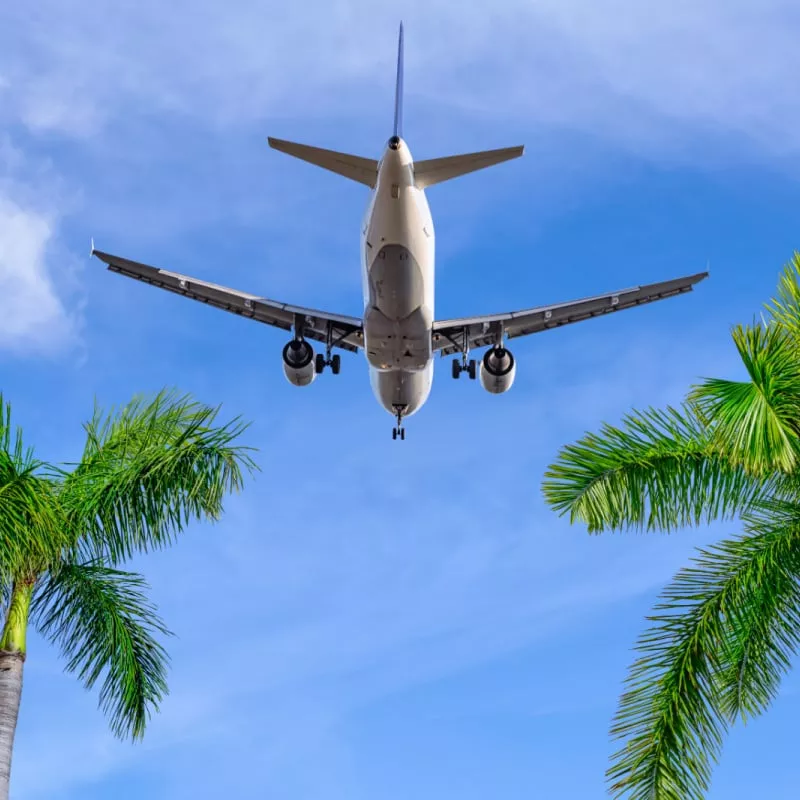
(756, 421)
(660, 470)
(105, 626)
(148, 470)
(31, 522)
(709, 655)
(784, 309)
(762, 632)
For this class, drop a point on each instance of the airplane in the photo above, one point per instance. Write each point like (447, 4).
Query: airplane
(398, 332)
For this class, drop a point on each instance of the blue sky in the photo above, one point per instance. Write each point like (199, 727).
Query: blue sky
(373, 619)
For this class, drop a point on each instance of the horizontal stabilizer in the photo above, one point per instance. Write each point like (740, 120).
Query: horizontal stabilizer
(436, 170)
(362, 170)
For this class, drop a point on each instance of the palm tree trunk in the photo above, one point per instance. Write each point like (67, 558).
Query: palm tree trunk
(12, 658)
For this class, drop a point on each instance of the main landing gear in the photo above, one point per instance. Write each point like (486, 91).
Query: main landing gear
(465, 364)
(399, 430)
(322, 361)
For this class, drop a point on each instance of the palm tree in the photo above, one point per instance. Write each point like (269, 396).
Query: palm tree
(29, 525)
(145, 472)
(726, 628)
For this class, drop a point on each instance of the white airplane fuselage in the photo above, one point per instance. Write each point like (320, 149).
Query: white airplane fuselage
(397, 262)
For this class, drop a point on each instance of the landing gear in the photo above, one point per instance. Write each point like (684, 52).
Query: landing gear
(464, 365)
(399, 431)
(322, 361)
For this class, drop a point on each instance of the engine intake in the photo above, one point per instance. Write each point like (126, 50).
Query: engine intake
(298, 363)
(498, 370)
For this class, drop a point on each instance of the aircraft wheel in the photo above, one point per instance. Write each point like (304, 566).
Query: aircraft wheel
(336, 364)
(472, 370)
(456, 369)
(319, 364)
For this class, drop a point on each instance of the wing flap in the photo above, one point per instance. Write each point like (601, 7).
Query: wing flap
(448, 335)
(347, 331)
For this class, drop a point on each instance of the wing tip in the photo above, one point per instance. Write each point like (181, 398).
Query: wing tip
(101, 256)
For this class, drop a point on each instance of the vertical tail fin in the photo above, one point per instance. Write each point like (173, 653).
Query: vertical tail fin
(398, 89)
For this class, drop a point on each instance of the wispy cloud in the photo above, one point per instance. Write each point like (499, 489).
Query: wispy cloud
(160, 115)
(622, 70)
(36, 270)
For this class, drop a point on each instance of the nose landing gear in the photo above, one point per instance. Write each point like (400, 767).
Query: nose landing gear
(399, 430)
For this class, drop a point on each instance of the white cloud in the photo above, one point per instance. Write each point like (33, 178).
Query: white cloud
(165, 109)
(40, 303)
(33, 318)
(641, 76)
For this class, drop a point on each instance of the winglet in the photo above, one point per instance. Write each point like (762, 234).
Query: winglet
(91, 251)
(398, 89)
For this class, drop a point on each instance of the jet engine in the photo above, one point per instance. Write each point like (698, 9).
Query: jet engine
(298, 362)
(498, 369)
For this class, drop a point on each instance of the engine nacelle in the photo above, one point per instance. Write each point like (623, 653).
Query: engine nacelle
(298, 363)
(498, 369)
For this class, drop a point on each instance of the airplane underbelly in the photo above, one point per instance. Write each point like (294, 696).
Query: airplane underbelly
(402, 390)
(397, 322)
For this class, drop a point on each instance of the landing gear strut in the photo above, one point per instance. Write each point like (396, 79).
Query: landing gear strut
(322, 361)
(465, 364)
(399, 430)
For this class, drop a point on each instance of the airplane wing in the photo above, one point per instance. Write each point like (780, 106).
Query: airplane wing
(346, 332)
(448, 335)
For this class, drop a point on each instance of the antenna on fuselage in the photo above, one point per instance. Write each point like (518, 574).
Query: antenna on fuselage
(398, 89)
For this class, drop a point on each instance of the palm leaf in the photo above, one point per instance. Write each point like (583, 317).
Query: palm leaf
(708, 656)
(105, 626)
(756, 422)
(31, 522)
(660, 470)
(147, 471)
(761, 635)
(784, 309)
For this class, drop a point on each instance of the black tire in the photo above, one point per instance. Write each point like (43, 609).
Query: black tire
(319, 364)
(472, 370)
(456, 369)
(336, 364)
(403, 434)
(394, 433)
